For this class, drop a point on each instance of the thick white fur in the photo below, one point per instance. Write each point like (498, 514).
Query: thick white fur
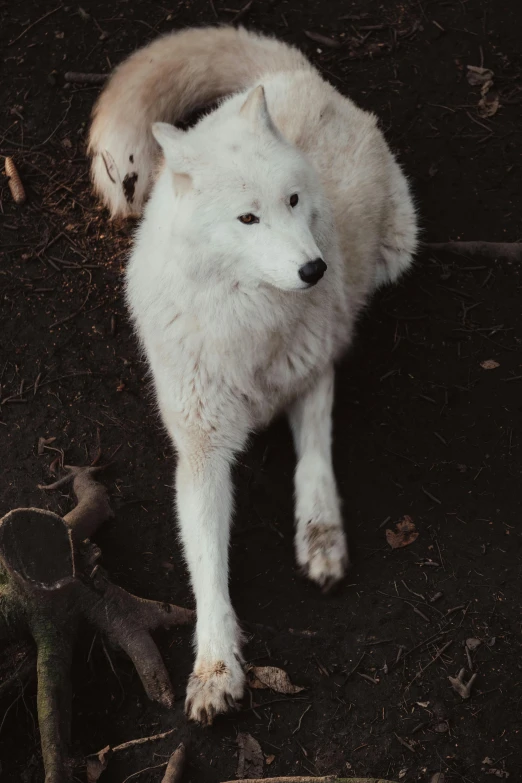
(230, 333)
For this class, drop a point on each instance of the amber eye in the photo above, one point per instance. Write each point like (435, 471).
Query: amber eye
(248, 219)
(294, 199)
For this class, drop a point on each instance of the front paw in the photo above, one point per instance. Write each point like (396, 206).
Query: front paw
(214, 687)
(322, 553)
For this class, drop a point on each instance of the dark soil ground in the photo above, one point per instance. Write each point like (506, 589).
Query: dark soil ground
(420, 427)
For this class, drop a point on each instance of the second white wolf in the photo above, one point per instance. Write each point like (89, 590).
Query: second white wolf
(268, 226)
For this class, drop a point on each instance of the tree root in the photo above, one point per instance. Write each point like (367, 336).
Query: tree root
(49, 580)
(175, 766)
(327, 779)
(510, 250)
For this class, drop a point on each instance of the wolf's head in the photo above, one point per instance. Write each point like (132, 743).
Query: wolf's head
(245, 204)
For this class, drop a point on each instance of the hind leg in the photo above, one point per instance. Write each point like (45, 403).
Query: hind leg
(320, 541)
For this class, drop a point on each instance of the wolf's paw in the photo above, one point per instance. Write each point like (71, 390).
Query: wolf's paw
(213, 687)
(322, 553)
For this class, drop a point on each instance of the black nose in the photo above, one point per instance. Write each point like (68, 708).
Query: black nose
(312, 272)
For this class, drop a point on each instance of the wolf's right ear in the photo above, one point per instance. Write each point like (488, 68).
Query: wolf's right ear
(171, 141)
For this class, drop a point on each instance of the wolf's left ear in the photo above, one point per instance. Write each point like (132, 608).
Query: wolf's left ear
(255, 110)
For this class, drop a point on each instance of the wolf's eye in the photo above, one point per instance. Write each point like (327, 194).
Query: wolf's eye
(294, 199)
(248, 219)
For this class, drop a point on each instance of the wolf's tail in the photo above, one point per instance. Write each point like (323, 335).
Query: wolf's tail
(164, 81)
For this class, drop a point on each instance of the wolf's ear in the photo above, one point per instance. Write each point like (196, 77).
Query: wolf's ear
(172, 143)
(170, 140)
(255, 110)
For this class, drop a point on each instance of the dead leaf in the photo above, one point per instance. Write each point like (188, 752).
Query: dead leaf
(438, 777)
(269, 759)
(476, 75)
(250, 764)
(272, 677)
(42, 443)
(98, 764)
(489, 103)
(472, 644)
(489, 364)
(406, 533)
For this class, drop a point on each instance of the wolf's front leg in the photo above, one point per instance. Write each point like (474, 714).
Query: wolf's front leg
(319, 540)
(204, 499)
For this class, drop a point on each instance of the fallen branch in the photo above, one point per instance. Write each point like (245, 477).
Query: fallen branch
(85, 78)
(50, 579)
(510, 250)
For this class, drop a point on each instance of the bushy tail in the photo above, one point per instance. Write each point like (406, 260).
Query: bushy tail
(165, 81)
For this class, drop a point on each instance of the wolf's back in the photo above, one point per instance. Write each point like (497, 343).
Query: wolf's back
(165, 81)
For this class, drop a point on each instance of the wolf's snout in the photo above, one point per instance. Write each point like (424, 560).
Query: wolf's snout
(312, 271)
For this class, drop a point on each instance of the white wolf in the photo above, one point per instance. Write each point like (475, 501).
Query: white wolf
(287, 183)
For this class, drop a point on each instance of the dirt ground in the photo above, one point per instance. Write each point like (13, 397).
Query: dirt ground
(421, 428)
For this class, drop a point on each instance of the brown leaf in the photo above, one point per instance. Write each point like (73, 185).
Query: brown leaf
(489, 364)
(250, 764)
(489, 103)
(272, 677)
(98, 764)
(269, 759)
(15, 183)
(406, 534)
(476, 75)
